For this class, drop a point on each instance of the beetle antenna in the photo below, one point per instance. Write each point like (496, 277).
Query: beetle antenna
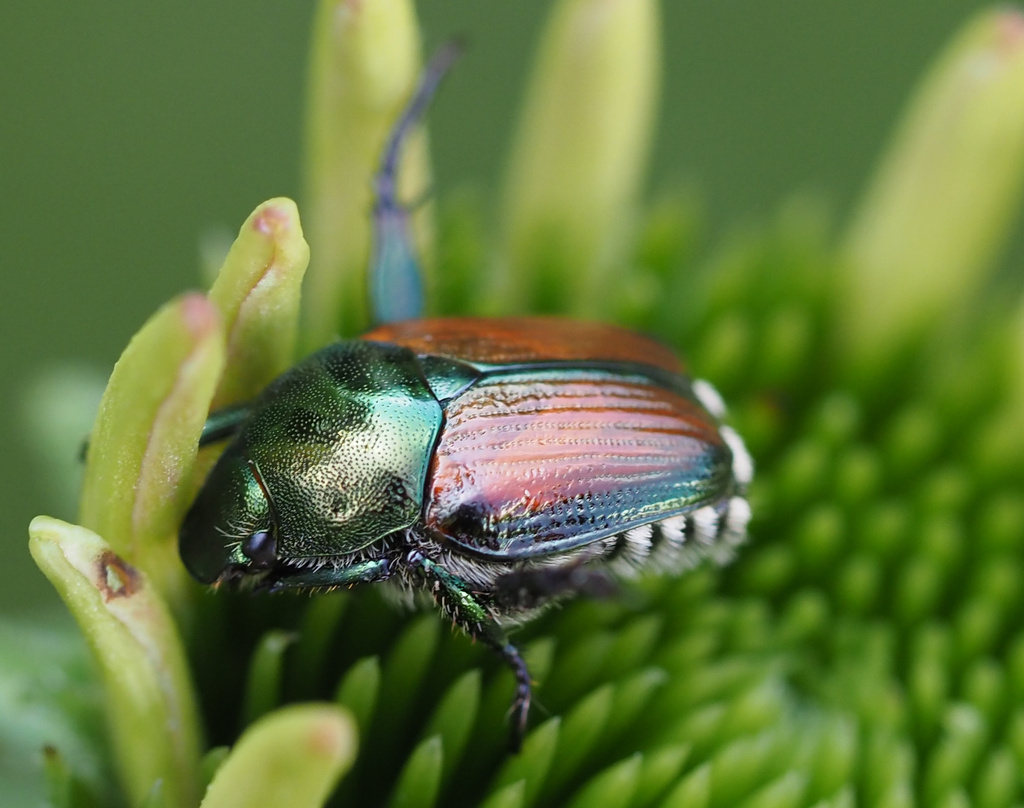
(395, 285)
(437, 68)
(255, 469)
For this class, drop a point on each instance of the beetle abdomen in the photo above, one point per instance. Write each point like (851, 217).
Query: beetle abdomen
(666, 547)
(537, 462)
(680, 542)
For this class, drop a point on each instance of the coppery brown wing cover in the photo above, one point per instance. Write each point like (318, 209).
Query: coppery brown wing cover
(515, 340)
(541, 461)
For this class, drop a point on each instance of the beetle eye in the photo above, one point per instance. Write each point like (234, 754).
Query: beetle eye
(261, 549)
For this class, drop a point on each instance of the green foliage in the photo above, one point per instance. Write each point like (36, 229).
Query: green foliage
(863, 649)
(864, 646)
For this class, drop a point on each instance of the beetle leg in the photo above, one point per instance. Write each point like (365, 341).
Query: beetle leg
(524, 692)
(329, 577)
(396, 288)
(453, 595)
(219, 425)
(223, 423)
(526, 590)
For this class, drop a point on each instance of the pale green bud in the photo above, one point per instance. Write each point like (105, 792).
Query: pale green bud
(143, 447)
(257, 294)
(938, 209)
(580, 152)
(150, 704)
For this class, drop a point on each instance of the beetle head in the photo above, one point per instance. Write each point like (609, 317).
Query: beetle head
(231, 531)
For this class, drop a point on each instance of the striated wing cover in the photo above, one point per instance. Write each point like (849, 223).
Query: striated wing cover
(541, 461)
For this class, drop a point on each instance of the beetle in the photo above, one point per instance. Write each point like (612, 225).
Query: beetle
(497, 464)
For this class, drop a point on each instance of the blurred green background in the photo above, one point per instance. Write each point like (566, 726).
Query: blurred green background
(129, 131)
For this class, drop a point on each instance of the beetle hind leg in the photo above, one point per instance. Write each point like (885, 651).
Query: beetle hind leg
(469, 613)
(532, 589)
(395, 284)
(524, 692)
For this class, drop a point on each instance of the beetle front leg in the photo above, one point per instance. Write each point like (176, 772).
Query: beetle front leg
(327, 577)
(220, 425)
(453, 596)
(224, 423)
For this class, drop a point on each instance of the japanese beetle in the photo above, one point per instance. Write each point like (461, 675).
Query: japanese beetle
(498, 464)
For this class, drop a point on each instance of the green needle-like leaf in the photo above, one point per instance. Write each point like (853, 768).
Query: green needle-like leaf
(420, 781)
(612, 788)
(58, 778)
(632, 697)
(581, 732)
(887, 769)
(315, 638)
(402, 672)
(957, 752)
(511, 796)
(842, 799)
(454, 717)
(359, 689)
(785, 792)
(634, 645)
(996, 783)
(693, 791)
(266, 670)
(899, 795)
(835, 759)
(212, 761)
(291, 758)
(745, 763)
(534, 760)
(577, 667)
(658, 770)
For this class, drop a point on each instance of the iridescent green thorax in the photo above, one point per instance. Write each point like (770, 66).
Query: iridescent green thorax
(344, 442)
(340, 445)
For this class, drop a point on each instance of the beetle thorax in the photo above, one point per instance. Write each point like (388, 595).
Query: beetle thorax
(344, 445)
